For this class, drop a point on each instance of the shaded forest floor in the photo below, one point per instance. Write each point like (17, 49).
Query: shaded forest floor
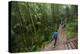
(62, 42)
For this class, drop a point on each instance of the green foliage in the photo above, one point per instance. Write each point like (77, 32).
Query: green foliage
(33, 24)
(71, 30)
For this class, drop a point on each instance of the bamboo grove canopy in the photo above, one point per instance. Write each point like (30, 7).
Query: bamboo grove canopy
(33, 24)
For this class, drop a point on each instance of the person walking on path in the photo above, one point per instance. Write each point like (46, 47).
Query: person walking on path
(55, 35)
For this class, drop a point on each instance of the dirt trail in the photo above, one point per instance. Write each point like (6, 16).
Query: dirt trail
(60, 43)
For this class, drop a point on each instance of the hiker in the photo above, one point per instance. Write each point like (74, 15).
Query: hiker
(55, 37)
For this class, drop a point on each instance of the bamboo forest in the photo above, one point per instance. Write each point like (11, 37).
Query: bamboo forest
(33, 25)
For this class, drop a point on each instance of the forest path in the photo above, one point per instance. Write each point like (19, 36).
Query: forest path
(62, 42)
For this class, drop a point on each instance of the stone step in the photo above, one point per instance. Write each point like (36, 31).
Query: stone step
(75, 44)
(72, 45)
(69, 46)
(66, 47)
